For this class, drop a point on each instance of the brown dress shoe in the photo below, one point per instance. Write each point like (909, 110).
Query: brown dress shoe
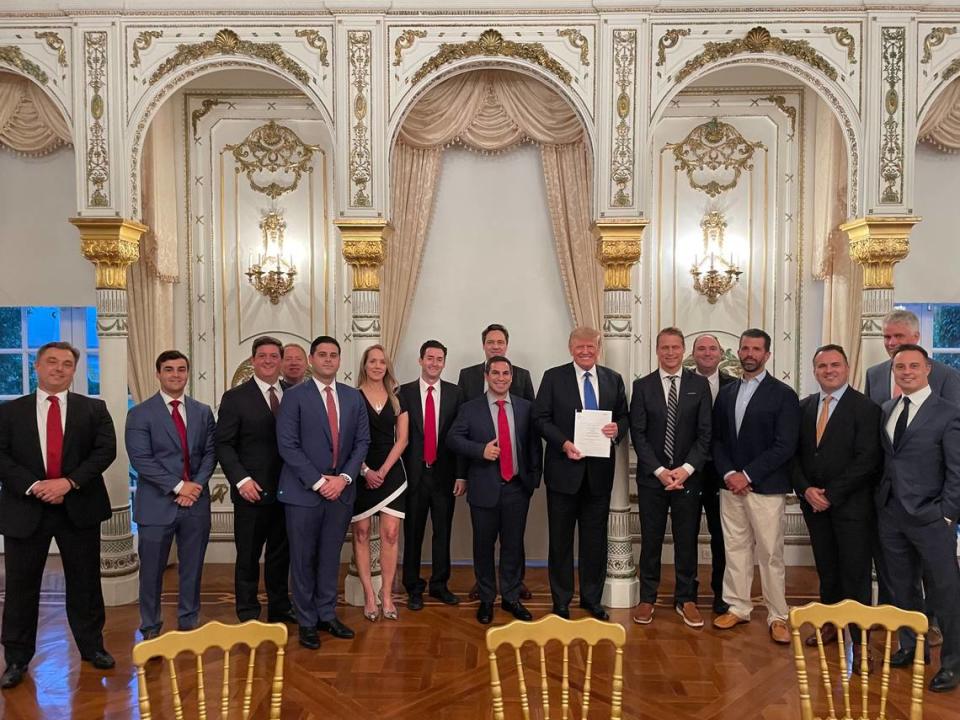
(644, 614)
(691, 616)
(779, 632)
(728, 620)
(828, 633)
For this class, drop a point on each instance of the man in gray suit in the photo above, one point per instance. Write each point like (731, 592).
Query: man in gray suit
(918, 503)
(169, 441)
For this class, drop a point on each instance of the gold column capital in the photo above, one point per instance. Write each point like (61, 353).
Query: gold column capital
(878, 242)
(618, 248)
(364, 249)
(112, 244)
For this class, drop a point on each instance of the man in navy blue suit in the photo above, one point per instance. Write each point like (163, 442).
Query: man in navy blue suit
(323, 435)
(169, 439)
(496, 434)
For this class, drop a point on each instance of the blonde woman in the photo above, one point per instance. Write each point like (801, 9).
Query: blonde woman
(384, 480)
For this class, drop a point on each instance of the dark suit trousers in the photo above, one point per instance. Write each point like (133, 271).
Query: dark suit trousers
(710, 501)
(565, 513)
(842, 550)
(909, 550)
(435, 499)
(24, 559)
(683, 507)
(192, 531)
(253, 527)
(507, 521)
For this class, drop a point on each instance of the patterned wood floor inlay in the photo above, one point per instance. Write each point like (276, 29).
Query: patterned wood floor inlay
(432, 664)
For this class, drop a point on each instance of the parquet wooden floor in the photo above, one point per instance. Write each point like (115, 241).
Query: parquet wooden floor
(433, 665)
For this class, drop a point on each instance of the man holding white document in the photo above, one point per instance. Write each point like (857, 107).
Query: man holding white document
(580, 403)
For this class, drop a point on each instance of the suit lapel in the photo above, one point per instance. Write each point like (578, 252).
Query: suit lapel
(33, 431)
(840, 413)
(415, 407)
(572, 376)
(159, 407)
(321, 404)
(446, 404)
(73, 425)
(256, 397)
(885, 369)
(195, 431)
(924, 413)
(810, 416)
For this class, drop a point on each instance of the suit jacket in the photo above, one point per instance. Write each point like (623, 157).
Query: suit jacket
(944, 381)
(154, 450)
(246, 441)
(448, 466)
(554, 413)
(849, 457)
(304, 440)
(89, 447)
(924, 472)
(471, 381)
(648, 426)
(767, 442)
(474, 428)
(710, 480)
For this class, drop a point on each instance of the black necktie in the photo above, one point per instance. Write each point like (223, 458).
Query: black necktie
(901, 426)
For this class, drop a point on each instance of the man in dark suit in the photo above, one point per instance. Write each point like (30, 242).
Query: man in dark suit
(496, 434)
(323, 434)
(472, 383)
(169, 440)
(838, 459)
(918, 503)
(54, 447)
(246, 443)
(578, 487)
(756, 424)
(434, 475)
(707, 354)
(670, 428)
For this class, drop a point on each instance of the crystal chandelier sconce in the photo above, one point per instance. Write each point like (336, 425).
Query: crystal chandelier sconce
(714, 274)
(270, 272)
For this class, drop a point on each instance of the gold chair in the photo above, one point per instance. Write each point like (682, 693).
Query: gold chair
(844, 613)
(212, 635)
(566, 632)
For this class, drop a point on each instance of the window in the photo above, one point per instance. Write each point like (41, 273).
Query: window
(939, 330)
(24, 329)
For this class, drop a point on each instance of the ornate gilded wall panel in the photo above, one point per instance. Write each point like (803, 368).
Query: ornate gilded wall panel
(96, 119)
(938, 58)
(622, 151)
(359, 54)
(893, 42)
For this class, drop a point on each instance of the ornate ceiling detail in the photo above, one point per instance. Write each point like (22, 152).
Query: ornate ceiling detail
(934, 39)
(405, 42)
(844, 39)
(273, 148)
(757, 40)
(143, 42)
(893, 42)
(317, 42)
(227, 42)
(711, 149)
(668, 41)
(55, 43)
(491, 44)
(12, 55)
(578, 41)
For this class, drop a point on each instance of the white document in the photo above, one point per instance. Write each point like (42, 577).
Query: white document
(588, 433)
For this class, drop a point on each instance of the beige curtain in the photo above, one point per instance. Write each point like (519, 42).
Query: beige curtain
(490, 111)
(30, 124)
(941, 126)
(842, 277)
(150, 280)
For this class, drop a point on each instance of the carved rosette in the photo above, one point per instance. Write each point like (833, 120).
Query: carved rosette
(878, 242)
(364, 248)
(618, 248)
(112, 245)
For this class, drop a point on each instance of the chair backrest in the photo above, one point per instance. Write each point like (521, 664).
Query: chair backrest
(212, 635)
(554, 628)
(842, 614)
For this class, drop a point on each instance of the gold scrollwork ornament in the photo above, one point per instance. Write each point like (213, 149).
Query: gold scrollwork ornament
(317, 42)
(578, 41)
(273, 148)
(714, 146)
(669, 41)
(405, 41)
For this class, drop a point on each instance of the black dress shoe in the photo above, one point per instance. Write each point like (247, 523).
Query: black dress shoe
(309, 638)
(336, 628)
(525, 593)
(517, 610)
(485, 613)
(474, 592)
(596, 610)
(415, 601)
(904, 658)
(283, 617)
(561, 611)
(445, 596)
(12, 676)
(150, 633)
(944, 681)
(101, 660)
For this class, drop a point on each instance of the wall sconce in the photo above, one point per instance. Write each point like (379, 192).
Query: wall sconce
(272, 274)
(714, 274)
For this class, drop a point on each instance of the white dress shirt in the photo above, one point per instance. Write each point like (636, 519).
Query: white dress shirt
(43, 409)
(665, 382)
(593, 381)
(713, 381)
(182, 411)
(322, 387)
(917, 399)
(265, 391)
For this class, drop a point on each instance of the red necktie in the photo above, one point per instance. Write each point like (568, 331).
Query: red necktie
(334, 424)
(429, 429)
(54, 439)
(503, 441)
(182, 432)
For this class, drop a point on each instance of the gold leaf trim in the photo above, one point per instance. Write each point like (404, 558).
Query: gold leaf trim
(405, 42)
(12, 55)
(206, 106)
(273, 148)
(714, 146)
(143, 42)
(757, 40)
(935, 39)
(844, 39)
(317, 42)
(491, 43)
(781, 102)
(668, 41)
(227, 42)
(55, 43)
(578, 41)
(951, 70)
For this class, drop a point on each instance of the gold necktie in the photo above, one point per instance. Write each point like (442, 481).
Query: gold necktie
(824, 416)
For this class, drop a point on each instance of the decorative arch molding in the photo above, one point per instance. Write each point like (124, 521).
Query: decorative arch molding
(148, 103)
(32, 71)
(949, 75)
(844, 111)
